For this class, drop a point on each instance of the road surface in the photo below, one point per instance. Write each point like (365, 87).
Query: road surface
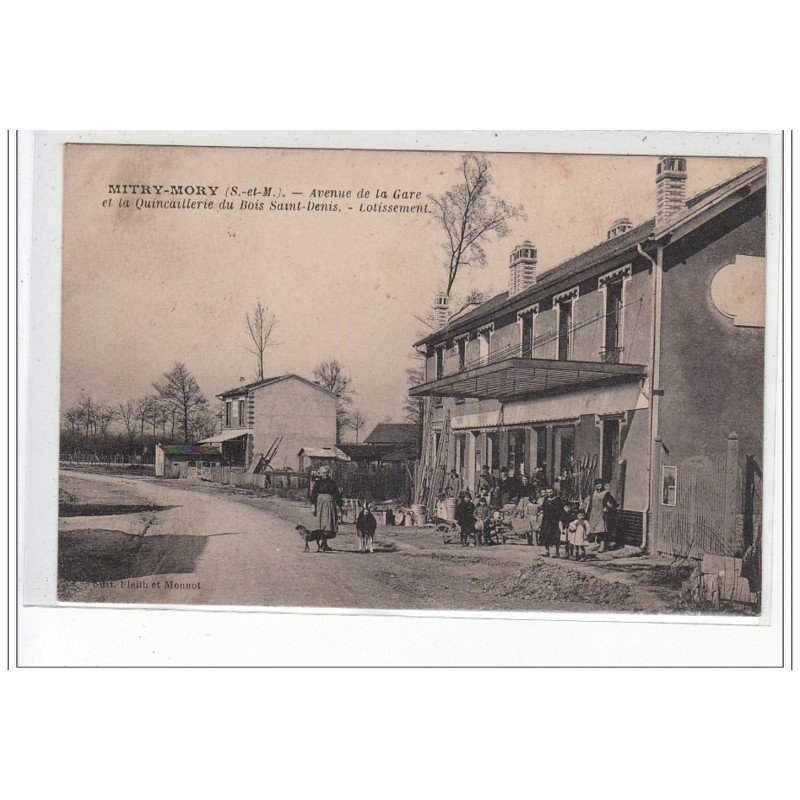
(141, 540)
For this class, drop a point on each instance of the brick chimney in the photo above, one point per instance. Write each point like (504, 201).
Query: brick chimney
(620, 226)
(522, 267)
(441, 310)
(670, 188)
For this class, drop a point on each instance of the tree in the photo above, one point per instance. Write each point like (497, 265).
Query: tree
(356, 421)
(260, 326)
(470, 215)
(179, 390)
(332, 375)
(128, 414)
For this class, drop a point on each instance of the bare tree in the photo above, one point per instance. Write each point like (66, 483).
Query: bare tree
(88, 411)
(104, 416)
(260, 325)
(179, 390)
(356, 421)
(470, 215)
(127, 414)
(73, 417)
(333, 376)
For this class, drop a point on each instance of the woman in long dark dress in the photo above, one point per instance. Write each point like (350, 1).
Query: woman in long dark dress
(327, 501)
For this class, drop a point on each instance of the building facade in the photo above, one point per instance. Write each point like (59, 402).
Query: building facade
(644, 352)
(279, 416)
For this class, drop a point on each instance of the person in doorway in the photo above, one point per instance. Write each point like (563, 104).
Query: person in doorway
(551, 513)
(601, 513)
(465, 517)
(365, 529)
(453, 484)
(327, 501)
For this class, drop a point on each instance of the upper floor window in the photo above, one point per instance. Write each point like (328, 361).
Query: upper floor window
(565, 329)
(613, 334)
(526, 322)
(484, 343)
(241, 412)
(461, 344)
(439, 354)
(228, 411)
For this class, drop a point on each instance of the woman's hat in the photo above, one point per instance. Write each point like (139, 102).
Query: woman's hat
(599, 482)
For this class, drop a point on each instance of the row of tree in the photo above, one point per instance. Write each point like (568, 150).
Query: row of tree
(176, 410)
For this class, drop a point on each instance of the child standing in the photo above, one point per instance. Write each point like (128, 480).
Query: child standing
(481, 517)
(465, 517)
(365, 529)
(578, 534)
(567, 517)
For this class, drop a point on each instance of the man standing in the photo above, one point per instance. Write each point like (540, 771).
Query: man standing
(465, 517)
(601, 513)
(452, 485)
(486, 482)
(510, 488)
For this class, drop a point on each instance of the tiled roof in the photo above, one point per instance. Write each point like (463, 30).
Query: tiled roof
(392, 433)
(245, 387)
(572, 267)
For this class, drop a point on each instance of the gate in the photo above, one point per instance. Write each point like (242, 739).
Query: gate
(706, 507)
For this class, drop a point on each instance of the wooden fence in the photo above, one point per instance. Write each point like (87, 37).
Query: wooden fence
(709, 506)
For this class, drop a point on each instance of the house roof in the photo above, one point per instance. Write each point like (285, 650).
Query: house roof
(392, 433)
(189, 450)
(588, 260)
(323, 452)
(366, 452)
(225, 436)
(246, 387)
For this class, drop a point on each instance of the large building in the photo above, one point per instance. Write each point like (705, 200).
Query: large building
(284, 414)
(639, 360)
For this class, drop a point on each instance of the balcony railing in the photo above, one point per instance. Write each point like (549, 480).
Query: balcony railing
(611, 355)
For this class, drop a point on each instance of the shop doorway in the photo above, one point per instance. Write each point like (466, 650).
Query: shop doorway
(611, 441)
(516, 450)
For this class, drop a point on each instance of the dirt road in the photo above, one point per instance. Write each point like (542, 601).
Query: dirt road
(140, 540)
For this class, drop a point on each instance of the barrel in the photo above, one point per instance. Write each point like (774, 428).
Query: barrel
(420, 514)
(450, 508)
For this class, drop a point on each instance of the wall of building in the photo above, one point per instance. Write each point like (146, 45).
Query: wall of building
(712, 371)
(303, 415)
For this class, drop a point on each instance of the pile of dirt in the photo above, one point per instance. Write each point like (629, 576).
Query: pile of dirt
(547, 583)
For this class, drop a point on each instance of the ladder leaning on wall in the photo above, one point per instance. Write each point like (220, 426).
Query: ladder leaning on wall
(438, 468)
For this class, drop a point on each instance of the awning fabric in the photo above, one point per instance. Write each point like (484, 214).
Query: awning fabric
(225, 436)
(514, 378)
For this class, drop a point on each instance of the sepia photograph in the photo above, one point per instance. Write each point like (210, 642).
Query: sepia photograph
(412, 380)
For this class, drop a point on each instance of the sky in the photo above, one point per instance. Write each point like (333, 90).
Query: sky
(142, 289)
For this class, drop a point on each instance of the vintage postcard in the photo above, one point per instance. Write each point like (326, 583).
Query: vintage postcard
(401, 379)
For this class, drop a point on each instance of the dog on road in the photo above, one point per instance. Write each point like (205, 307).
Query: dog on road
(311, 536)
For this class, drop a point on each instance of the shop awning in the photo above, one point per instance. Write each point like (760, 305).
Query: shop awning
(523, 377)
(225, 436)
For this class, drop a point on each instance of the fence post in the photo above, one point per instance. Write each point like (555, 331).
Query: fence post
(732, 497)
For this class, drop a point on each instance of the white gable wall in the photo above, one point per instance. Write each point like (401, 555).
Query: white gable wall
(304, 415)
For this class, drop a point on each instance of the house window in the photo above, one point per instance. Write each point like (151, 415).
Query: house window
(612, 346)
(526, 320)
(228, 412)
(564, 330)
(610, 447)
(439, 362)
(484, 338)
(462, 353)
(241, 412)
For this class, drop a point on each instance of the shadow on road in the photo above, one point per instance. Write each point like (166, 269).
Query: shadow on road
(105, 509)
(99, 554)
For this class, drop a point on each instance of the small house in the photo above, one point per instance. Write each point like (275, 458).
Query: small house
(183, 460)
(312, 458)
